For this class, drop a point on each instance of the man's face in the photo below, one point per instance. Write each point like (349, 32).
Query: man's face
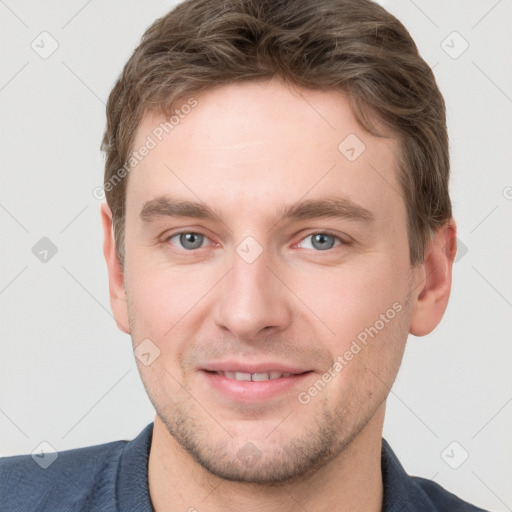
(250, 294)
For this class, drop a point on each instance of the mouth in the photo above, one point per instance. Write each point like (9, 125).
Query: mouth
(253, 384)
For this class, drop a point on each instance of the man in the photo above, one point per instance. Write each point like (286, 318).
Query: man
(277, 222)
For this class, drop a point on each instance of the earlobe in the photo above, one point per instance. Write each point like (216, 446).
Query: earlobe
(117, 290)
(434, 280)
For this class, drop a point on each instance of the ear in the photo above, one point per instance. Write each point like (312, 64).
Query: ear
(118, 301)
(434, 280)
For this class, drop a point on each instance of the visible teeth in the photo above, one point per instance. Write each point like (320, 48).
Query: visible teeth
(259, 376)
(254, 376)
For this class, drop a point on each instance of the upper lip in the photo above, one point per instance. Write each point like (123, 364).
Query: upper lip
(234, 366)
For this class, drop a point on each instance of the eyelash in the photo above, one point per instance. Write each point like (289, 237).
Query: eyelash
(324, 232)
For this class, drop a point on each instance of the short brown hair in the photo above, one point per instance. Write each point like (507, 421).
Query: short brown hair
(353, 46)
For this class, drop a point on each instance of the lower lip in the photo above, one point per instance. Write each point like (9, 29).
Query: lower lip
(250, 391)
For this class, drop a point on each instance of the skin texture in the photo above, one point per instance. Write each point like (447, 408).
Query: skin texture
(246, 150)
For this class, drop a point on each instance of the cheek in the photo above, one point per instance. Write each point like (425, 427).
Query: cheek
(348, 299)
(368, 312)
(366, 308)
(159, 298)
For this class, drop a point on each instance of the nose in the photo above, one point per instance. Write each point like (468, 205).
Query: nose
(253, 299)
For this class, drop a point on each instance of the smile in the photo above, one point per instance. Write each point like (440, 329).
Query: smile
(256, 386)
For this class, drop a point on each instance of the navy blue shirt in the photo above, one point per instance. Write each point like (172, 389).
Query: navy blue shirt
(114, 477)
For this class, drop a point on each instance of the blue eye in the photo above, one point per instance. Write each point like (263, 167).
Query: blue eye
(189, 240)
(322, 241)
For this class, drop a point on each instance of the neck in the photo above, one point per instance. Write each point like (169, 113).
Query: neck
(352, 481)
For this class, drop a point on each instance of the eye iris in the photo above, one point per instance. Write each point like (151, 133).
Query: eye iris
(191, 240)
(321, 238)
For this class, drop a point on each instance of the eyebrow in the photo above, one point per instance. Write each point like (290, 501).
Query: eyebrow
(332, 207)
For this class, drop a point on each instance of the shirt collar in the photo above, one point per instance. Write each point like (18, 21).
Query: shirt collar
(132, 488)
(401, 493)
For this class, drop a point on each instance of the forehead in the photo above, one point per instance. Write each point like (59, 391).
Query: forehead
(263, 144)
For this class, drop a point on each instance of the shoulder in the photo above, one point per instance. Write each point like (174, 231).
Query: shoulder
(67, 478)
(443, 499)
(403, 492)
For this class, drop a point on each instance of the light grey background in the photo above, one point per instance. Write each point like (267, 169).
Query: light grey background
(68, 375)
